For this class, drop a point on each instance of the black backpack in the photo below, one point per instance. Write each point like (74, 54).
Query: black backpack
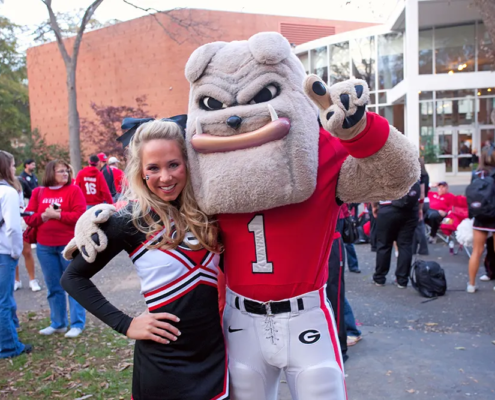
(350, 230)
(428, 278)
(108, 175)
(480, 195)
(410, 200)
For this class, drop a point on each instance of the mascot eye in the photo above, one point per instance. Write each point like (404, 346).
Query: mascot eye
(209, 103)
(266, 94)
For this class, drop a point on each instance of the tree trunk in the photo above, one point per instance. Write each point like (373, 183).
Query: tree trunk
(74, 137)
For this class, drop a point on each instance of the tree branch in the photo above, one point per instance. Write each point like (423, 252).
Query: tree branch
(86, 18)
(57, 32)
(188, 24)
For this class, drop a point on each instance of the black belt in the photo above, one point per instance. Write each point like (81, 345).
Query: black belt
(270, 307)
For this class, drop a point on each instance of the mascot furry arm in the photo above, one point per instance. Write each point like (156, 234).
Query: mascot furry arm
(390, 171)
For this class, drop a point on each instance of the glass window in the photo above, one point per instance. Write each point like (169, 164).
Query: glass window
(486, 92)
(464, 149)
(319, 63)
(394, 115)
(486, 51)
(388, 113)
(363, 60)
(399, 117)
(445, 141)
(425, 95)
(487, 135)
(486, 105)
(426, 52)
(448, 94)
(390, 60)
(426, 118)
(455, 112)
(372, 98)
(305, 61)
(454, 49)
(382, 97)
(339, 62)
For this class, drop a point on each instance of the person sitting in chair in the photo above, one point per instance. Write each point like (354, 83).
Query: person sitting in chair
(441, 202)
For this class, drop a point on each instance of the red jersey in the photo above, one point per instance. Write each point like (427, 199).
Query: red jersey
(94, 186)
(56, 232)
(444, 202)
(118, 176)
(283, 252)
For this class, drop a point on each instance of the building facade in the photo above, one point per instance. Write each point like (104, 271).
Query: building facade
(431, 72)
(137, 58)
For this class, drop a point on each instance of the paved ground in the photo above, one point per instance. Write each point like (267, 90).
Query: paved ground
(411, 349)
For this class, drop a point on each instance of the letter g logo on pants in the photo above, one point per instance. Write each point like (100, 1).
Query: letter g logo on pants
(310, 336)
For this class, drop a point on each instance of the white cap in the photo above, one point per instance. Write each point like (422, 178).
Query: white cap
(113, 160)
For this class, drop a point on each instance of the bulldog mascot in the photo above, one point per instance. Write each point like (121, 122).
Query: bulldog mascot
(267, 166)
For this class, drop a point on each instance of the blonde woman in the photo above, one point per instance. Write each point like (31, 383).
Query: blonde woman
(180, 350)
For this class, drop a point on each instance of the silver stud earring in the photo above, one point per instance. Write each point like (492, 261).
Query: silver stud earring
(147, 178)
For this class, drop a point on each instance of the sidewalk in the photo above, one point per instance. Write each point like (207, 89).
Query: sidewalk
(408, 349)
(411, 349)
(399, 364)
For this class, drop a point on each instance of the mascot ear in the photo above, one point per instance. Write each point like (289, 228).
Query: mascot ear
(199, 60)
(269, 47)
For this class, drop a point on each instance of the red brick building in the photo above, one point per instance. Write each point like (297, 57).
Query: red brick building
(135, 58)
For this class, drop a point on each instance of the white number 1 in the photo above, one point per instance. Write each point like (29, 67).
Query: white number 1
(261, 266)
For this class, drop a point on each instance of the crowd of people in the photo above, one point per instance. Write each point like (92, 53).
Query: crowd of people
(158, 178)
(50, 212)
(54, 207)
(408, 224)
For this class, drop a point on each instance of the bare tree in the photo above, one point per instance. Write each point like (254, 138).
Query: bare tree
(68, 23)
(179, 26)
(70, 61)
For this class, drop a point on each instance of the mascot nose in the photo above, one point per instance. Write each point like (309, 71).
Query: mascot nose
(234, 121)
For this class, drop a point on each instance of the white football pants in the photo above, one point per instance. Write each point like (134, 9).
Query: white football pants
(302, 343)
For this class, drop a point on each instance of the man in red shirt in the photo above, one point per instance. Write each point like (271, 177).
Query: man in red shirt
(93, 184)
(441, 203)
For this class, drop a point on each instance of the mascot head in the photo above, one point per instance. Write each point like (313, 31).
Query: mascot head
(252, 133)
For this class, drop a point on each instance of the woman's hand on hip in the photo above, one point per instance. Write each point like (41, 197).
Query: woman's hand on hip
(152, 327)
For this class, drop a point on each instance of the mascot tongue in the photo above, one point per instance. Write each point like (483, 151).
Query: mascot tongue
(206, 143)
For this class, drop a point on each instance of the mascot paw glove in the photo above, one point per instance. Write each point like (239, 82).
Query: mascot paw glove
(342, 106)
(89, 239)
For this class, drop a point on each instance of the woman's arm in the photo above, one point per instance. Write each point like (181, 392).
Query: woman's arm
(76, 280)
(34, 220)
(9, 204)
(77, 208)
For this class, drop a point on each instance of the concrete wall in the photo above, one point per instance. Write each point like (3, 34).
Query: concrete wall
(135, 58)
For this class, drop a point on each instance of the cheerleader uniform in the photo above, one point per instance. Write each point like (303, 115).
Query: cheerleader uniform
(484, 224)
(182, 282)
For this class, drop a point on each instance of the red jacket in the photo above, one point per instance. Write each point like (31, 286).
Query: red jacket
(443, 203)
(94, 186)
(56, 232)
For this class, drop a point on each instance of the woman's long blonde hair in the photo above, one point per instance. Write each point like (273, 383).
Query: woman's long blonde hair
(185, 214)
